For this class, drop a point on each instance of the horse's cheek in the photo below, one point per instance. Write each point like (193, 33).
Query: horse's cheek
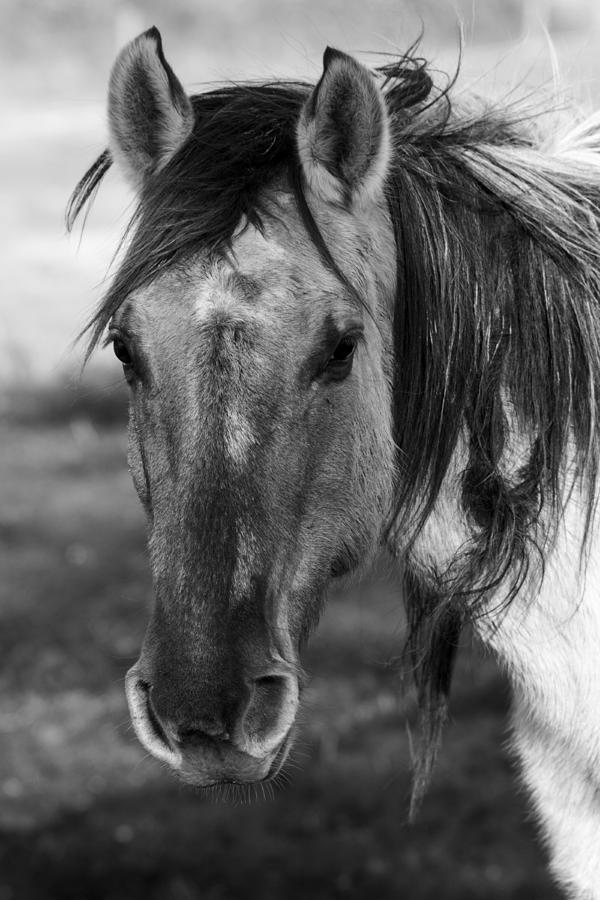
(137, 467)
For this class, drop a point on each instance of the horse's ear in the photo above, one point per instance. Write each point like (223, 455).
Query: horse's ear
(149, 114)
(343, 134)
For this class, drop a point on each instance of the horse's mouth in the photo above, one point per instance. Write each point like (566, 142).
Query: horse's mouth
(241, 770)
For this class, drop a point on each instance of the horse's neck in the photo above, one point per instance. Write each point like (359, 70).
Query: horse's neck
(548, 639)
(559, 610)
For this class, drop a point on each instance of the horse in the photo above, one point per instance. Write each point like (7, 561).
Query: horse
(353, 315)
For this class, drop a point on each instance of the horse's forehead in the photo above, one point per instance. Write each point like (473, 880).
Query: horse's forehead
(189, 323)
(258, 249)
(243, 280)
(269, 275)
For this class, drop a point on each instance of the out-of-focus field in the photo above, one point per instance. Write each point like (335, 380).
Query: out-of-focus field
(84, 814)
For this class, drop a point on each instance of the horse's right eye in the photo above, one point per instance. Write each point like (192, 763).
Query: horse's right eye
(121, 352)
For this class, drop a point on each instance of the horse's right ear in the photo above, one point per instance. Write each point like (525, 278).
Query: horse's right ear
(149, 114)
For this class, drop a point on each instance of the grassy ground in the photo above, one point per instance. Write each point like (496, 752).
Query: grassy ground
(85, 814)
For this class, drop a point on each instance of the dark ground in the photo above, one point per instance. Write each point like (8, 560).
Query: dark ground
(84, 814)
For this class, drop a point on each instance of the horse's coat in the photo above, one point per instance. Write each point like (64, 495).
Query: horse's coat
(351, 316)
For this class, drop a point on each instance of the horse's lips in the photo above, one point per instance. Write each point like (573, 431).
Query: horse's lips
(236, 767)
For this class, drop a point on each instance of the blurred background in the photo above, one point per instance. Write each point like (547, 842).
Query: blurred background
(84, 813)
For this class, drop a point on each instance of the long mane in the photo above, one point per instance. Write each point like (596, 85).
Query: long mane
(496, 327)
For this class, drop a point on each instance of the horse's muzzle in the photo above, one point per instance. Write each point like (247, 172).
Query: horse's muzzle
(212, 747)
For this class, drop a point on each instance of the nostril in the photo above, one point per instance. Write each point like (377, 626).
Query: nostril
(146, 722)
(271, 711)
(269, 689)
(153, 716)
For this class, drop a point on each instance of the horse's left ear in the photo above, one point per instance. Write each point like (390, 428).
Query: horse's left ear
(343, 134)
(149, 114)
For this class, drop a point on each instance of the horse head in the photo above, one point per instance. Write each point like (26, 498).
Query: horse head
(251, 315)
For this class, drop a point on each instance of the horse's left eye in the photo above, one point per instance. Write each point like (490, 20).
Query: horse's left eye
(340, 361)
(344, 350)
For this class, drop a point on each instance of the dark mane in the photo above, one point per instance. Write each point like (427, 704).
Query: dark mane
(496, 337)
(496, 328)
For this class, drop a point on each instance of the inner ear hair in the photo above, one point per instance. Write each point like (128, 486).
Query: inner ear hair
(343, 134)
(150, 115)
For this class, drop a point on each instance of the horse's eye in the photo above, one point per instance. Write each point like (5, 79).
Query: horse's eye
(340, 361)
(121, 352)
(344, 350)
